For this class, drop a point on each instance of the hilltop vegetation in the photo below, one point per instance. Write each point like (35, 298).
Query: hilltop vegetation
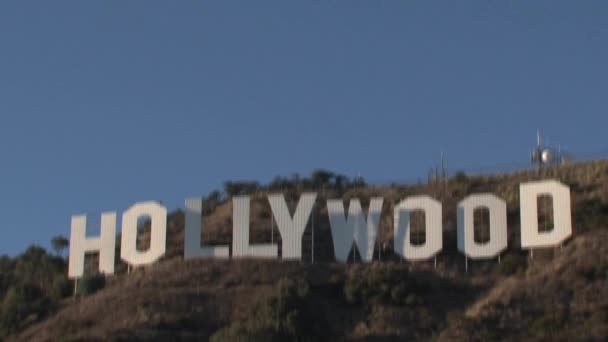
(561, 294)
(31, 287)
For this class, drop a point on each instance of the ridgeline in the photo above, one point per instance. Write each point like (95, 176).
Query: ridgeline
(559, 295)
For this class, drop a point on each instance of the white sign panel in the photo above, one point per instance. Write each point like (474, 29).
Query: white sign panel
(498, 226)
(292, 228)
(354, 228)
(192, 234)
(347, 229)
(240, 233)
(433, 228)
(158, 233)
(562, 219)
(80, 244)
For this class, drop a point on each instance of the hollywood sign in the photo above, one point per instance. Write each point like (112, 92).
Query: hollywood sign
(346, 229)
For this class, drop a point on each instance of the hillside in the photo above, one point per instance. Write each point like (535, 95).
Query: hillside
(561, 294)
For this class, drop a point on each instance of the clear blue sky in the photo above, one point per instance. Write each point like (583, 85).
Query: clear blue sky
(106, 103)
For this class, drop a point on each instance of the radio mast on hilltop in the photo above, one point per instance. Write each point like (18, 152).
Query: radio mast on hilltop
(548, 156)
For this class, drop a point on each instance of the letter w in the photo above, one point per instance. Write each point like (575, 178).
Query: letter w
(354, 227)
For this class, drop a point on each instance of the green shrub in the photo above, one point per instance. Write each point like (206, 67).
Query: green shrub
(31, 284)
(548, 323)
(460, 177)
(22, 305)
(71, 339)
(90, 283)
(211, 202)
(286, 316)
(512, 263)
(593, 272)
(384, 284)
(591, 214)
(351, 291)
(61, 287)
(13, 311)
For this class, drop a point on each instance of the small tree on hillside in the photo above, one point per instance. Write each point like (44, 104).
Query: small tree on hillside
(60, 243)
